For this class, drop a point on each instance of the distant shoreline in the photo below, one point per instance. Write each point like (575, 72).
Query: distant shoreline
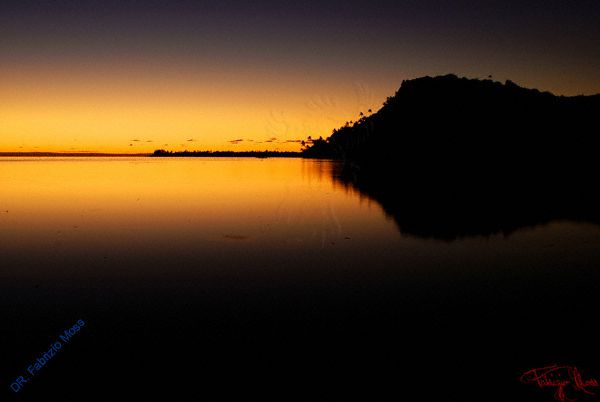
(160, 153)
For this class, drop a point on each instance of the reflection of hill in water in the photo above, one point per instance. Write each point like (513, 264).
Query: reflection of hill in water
(450, 157)
(447, 209)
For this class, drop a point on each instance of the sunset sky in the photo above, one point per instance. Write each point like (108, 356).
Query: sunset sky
(134, 76)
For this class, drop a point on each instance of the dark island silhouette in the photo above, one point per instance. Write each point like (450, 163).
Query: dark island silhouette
(227, 154)
(449, 157)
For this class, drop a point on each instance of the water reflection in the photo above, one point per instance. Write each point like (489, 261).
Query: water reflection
(448, 209)
(277, 277)
(125, 216)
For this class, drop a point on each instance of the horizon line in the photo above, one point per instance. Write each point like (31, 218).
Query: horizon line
(93, 153)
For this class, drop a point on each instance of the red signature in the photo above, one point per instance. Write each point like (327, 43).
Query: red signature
(561, 378)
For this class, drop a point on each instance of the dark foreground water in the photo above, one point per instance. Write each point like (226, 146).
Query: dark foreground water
(216, 279)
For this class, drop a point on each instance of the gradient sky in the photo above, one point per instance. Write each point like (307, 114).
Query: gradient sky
(134, 76)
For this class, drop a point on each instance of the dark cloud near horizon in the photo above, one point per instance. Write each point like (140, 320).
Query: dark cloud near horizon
(138, 140)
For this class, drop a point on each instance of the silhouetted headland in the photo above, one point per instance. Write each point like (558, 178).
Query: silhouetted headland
(247, 154)
(450, 157)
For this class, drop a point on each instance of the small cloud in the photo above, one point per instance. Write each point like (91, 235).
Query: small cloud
(191, 140)
(149, 141)
(236, 141)
(293, 141)
(273, 139)
(135, 140)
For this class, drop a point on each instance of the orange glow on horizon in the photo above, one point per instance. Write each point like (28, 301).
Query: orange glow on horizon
(133, 106)
(138, 112)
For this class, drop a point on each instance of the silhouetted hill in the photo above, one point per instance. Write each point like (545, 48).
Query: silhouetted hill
(438, 119)
(449, 156)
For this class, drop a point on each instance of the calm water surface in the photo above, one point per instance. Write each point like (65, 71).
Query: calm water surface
(270, 277)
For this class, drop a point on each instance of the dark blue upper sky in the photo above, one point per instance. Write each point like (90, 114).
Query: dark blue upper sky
(557, 41)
